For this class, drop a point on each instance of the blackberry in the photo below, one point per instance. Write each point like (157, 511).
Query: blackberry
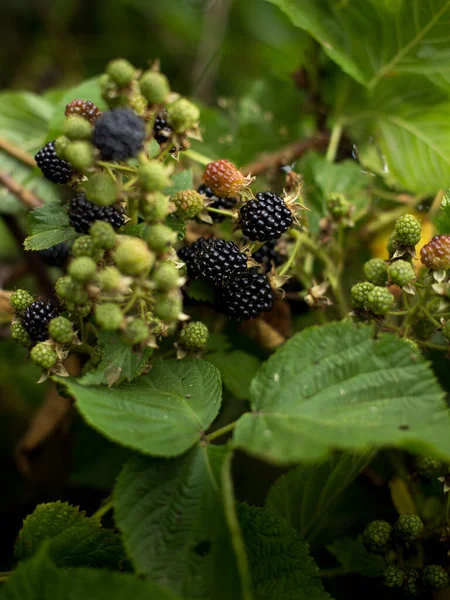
(83, 108)
(43, 356)
(213, 260)
(407, 230)
(56, 256)
(194, 336)
(377, 535)
(83, 213)
(408, 527)
(161, 130)
(246, 295)
(411, 582)
(375, 271)
(36, 319)
(436, 254)
(119, 134)
(223, 178)
(434, 577)
(265, 218)
(359, 294)
(393, 577)
(427, 466)
(226, 203)
(268, 256)
(53, 168)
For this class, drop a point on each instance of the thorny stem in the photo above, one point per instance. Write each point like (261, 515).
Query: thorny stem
(104, 508)
(219, 432)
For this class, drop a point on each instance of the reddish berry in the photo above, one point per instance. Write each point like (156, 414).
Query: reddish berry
(223, 178)
(83, 108)
(436, 254)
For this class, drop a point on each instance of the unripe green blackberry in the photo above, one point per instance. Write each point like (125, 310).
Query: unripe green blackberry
(156, 325)
(392, 245)
(411, 582)
(80, 154)
(401, 272)
(137, 331)
(166, 277)
(182, 115)
(61, 144)
(70, 290)
(377, 536)
(20, 300)
(189, 203)
(380, 300)
(194, 336)
(168, 308)
(359, 293)
(103, 235)
(434, 578)
(408, 527)
(154, 207)
(81, 310)
(120, 71)
(160, 238)
(446, 330)
(20, 335)
(132, 256)
(153, 176)
(109, 316)
(407, 230)
(393, 577)
(338, 206)
(101, 189)
(154, 86)
(428, 466)
(110, 91)
(76, 128)
(82, 268)
(109, 279)
(84, 246)
(43, 355)
(60, 330)
(375, 271)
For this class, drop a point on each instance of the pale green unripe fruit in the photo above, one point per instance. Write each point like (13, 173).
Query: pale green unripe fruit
(132, 256)
(154, 86)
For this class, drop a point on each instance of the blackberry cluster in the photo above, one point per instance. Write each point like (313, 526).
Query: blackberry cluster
(265, 218)
(213, 260)
(246, 295)
(119, 134)
(36, 319)
(226, 203)
(268, 256)
(161, 130)
(56, 256)
(83, 213)
(53, 168)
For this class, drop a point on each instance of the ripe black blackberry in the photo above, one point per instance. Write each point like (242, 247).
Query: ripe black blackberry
(265, 218)
(226, 203)
(161, 129)
(213, 260)
(56, 256)
(268, 256)
(83, 213)
(36, 319)
(119, 134)
(53, 168)
(245, 295)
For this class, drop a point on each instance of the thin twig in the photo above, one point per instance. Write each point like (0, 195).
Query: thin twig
(16, 152)
(25, 196)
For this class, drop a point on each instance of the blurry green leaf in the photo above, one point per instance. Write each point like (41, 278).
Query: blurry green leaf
(442, 218)
(183, 180)
(163, 413)
(352, 555)
(201, 291)
(335, 387)
(401, 496)
(48, 225)
(177, 224)
(71, 538)
(237, 369)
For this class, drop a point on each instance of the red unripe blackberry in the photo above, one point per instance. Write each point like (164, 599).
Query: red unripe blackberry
(226, 203)
(36, 319)
(55, 256)
(83, 108)
(213, 260)
(245, 295)
(436, 254)
(83, 213)
(119, 134)
(223, 178)
(265, 218)
(53, 168)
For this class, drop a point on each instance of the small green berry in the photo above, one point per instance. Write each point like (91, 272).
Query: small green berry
(43, 355)
(154, 86)
(338, 206)
(20, 335)
(428, 466)
(153, 176)
(60, 330)
(77, 128)
(183, 115)
(401, 272)
(194, 336)
(80, 154)
(380, 300)
(82, 268)
(392, 245)
(120, 71)
(375, 271)
(109, 316)
(109, 279)
(137, 331)
(97, 355)
(20, 300)
(101, 189)
(154, 207)
(166, 277)
(411, 582)
(132, 256)
(377, 535)
(408, 527)
(157, 327)
(160, 238)
(434, 578)
(110, 91)
(359, 293)
(407, 230)
(84, 246)
(82, 310)
(61, 144)
(103, 235)
(168, 308)
(70, 290)
(189, 203)
(393, 577)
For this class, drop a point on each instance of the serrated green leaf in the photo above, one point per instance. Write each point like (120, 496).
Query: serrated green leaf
(48, 225)
(237, 369)
(372, 40)
(280, 564)
(183, 180)
(318, 500)
(163, 413)
(352, 555)
(71, 538)
(167, 511)
(39, 579)
(119, 361)
(335, 387)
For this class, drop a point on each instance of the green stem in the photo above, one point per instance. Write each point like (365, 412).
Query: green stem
(432, 346)
(104, 508)
(133, 210)
(219, 432)
(287, 265)
(136, 294)
(4, 577)
(226, 213)
(197, 157)
(115, 167)
(334, 572)
(335, 139)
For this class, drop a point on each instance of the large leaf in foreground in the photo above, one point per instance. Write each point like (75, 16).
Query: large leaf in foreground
(48, 225)
(335, 387)
(163, 413)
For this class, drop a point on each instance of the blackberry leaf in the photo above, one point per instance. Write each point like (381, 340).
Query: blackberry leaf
(48, 225)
